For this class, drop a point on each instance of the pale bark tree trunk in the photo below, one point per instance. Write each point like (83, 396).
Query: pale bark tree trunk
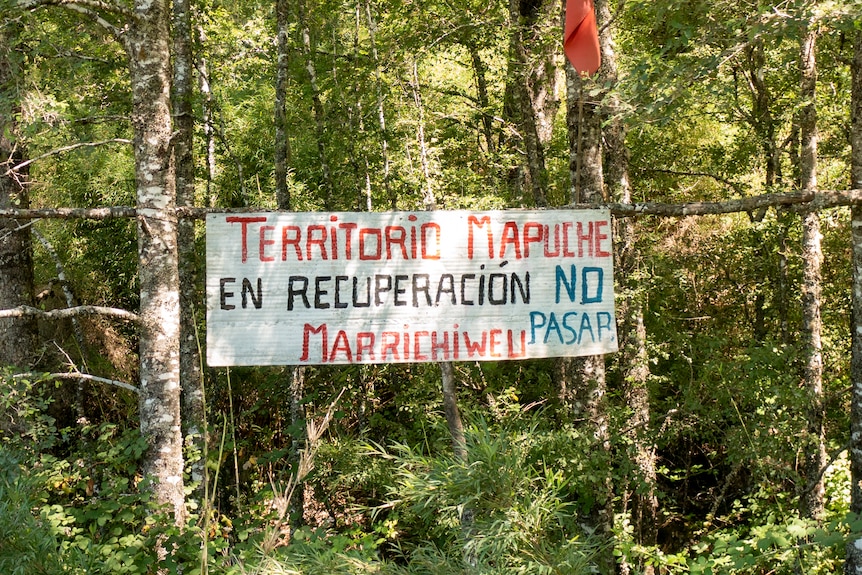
(282, 144)
(316, 105)
(582, 380)
(381, 116)
(811, 503)
(295, 375)
(853, 564)
(191, 372)
(424, 154)
(211, 197)
(77, 330)
(523, 111)
(146, 41)
(356, 123)
(448, 383)
(18, 342)
(633, 357)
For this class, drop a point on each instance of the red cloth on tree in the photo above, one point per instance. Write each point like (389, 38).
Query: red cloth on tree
(581, 38)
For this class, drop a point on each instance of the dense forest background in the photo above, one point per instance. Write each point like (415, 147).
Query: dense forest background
(716, 441)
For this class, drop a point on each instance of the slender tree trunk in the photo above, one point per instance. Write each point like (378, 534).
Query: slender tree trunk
(634, 360)
(298, 441)
(479, 71)
(282, 144)
(424, 154)
(583, 380)
(814, 447)
(523, 110)
(584, 125)
(381, 116)
(450, 409)
(80, 340)
(191, 373)
(853, 564)
(296, 375)
(146, 41)
(18, 340)
(448, 384)
(316, 105)
(211, 198)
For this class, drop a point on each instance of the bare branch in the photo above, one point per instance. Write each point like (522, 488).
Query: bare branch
(77, 376)
(89, 8)
(800, 201)
(63, 150)
(69, 312)
(105, 213)
(795, 200)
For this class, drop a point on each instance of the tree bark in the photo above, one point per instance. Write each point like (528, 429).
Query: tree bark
(282, 145)
(146, 42)
(522, 109)
(853, 563)
(450, 409)
(381, 116)
(295, 375)
(479, 71)
(191, 372)
(316, 105)
(811, 503)
(18, 342)
(583, 379)
(633, 357)
(211, 197)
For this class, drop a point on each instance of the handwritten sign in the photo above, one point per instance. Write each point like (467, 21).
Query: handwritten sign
(339, 288)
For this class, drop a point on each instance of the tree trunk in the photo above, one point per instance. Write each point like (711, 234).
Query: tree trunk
(424, 155)
(146, 42)
(633, 357)
(191, 374)
(298, 441)
(295, 375)
(381, 116)
(211, 197)
(522, 109)
(282, 144)
(853, 564)
(18, 342)
(584, 125)
(450, 409)
(582, 379)
(316, 105)
(811, 503)
(479, 71)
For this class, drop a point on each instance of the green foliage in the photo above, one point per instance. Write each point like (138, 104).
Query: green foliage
(25, 424)
(29, 545)
(512, 507)
(777, 546)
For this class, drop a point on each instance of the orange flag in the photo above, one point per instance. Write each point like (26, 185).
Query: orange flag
(581, 39)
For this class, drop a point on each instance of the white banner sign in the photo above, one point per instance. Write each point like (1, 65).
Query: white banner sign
(334, 288)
